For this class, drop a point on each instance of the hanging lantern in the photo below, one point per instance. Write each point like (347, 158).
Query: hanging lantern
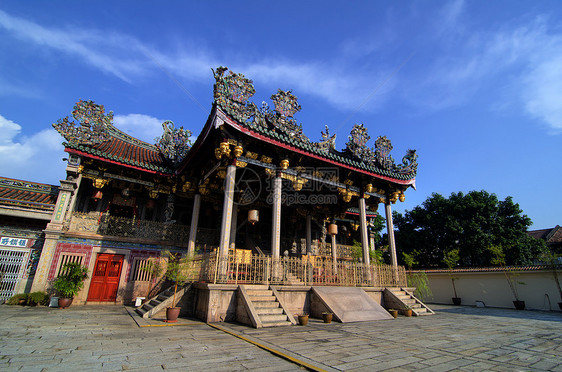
(97, 195)
(253, 216)
(333, 229)
(150, 203)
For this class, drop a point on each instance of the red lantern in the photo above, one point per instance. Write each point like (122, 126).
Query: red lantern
(97, 195)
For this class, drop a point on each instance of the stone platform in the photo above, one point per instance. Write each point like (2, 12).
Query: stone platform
(107, 338)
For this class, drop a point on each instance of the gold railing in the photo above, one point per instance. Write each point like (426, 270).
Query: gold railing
(127, 227)
(342, 251)
(305, 270)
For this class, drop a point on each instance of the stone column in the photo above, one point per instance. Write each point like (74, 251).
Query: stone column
(227, 210)
(334, 254)
(308, 234)
(372, 241)
(233, 227)
(364, 233)
(194, 224)
(390, 231)
(276, 219)
(52, 234)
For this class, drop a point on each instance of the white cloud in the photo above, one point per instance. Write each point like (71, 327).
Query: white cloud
(90, 45)
(36, 157)
(127, 58)
(524, 59)
(143, 127)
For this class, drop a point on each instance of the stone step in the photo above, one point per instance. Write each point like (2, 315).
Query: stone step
(263, 304)
(252, 287)
(259, 292)
(276, 324)
(267, 318)
(269, 310)
(140, 311)
(262, 298)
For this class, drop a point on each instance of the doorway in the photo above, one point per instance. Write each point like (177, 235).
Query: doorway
(105, 278)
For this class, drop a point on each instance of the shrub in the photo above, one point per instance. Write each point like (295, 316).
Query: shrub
(15, 299)
(38, 298)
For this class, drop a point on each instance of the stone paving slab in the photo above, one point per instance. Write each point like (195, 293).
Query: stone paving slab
(109, 338)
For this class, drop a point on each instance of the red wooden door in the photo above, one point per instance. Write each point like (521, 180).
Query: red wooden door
(105, 278)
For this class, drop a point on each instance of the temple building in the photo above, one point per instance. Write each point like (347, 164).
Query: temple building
(253, 201)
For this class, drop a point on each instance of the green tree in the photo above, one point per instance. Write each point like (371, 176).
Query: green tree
(469, 222)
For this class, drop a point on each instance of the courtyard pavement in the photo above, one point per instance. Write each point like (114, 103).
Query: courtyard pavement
(108, 338)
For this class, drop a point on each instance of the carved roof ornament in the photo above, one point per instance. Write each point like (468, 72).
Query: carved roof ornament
(286, 106)
(174, 142)
(285, 103)
(357, 144)
(382, 153)
(380, 157)
(409, 163)
(328, 142)
(232, 92)
(92, 125)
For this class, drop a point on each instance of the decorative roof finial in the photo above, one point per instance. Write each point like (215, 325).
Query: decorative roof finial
(174, 142)
(92, 125)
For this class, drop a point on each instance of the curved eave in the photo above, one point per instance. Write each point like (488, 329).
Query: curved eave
(234, 124)
(199, 141)
(70, 150)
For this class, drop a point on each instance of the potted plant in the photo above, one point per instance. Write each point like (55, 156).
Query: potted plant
(407, 310)
(393, 312)
(178, 271)
(327, 317)
(70, 282)
(451, 259)
(499, 259)
(303, 319)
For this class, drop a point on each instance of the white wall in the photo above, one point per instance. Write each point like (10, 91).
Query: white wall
(493, 289)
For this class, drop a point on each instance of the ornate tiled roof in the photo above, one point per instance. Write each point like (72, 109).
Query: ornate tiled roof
(232, 92)
(95, 136)
(126, 150)
(26, 194)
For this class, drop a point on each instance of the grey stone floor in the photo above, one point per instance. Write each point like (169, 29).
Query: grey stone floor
(108, 338)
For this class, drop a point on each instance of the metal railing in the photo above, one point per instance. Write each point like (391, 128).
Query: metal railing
(305, 270)
(105, 224)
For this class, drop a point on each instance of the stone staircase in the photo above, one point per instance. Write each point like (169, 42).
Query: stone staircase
(160, 302)
(292, 279)
(265, 307)
(399, 298)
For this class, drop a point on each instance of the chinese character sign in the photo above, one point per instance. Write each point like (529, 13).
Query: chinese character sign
(7, 241)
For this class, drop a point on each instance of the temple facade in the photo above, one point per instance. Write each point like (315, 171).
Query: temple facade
(252, 200)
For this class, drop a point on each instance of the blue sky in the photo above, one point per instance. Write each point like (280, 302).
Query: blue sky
(475, 87)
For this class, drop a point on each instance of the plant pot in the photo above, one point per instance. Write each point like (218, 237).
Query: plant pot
(327, 317)
(172, 314)
(303, 320)
(64, 302)
(456, 301)
(407, 312)
(394, 313)
(519, 305)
